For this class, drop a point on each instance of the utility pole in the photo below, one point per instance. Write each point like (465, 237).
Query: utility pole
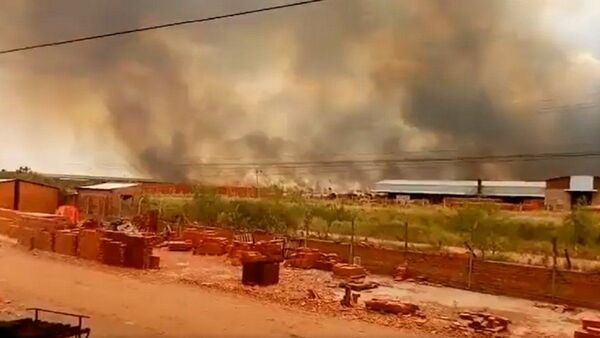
(257, 171)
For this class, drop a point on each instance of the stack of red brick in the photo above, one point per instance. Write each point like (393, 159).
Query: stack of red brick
(348, 271)
(212, 246)
(590, 328)
(309, 258)
(51, 233)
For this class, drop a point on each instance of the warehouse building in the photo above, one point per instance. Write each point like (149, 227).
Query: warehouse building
(24, 195)
(562, 193)
(111, 199)
(436, 191)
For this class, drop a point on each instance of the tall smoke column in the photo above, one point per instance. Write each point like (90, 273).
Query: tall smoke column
(351, 79)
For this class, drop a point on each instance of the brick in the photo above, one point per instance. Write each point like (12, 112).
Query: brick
(112, 252)
(154, 262)
(590, 322)
(65, 243)
(180, 245)
(581, 333)
(348, 270)
(43, 240)
(89, 244)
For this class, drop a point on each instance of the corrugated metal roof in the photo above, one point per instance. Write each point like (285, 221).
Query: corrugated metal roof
(431, 187)
(109, 186)
(465, 188)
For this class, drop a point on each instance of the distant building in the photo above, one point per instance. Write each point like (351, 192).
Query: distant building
(30, 196)
(562, 193)
(436, 190)
(108, 199)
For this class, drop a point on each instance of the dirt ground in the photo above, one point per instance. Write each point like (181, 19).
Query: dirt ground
(195, 296)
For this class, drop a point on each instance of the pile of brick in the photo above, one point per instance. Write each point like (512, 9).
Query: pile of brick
(481, 321)
(393, 306)
(89, 244)
(43, 240)
(349, 271)
(212, 246)
(112, 252)
(137, 248)
(309, 258)
(196, 235)
(590, 328)
(65, 242)
(236, 251)
(180, 245)
(272, 249)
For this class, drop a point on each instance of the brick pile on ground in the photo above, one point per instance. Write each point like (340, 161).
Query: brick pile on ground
(590, 328)
(348, 271)
(43, 240)
(236, 251)
(310, 258)
(212, 246)
(112, 252)
(272, 249)
(65, 242)
(89, 244)
(180, 245)
(5, 224)
(393, 306)
(481, 322)
(137, 248)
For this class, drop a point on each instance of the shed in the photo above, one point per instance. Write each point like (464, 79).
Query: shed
(30, 196)
(564, 192)
(108, 199)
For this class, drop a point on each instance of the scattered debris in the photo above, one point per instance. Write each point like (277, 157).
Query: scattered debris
(359, 286)
(394, 306)
(312, 294)
(481, 321)
(555, 307)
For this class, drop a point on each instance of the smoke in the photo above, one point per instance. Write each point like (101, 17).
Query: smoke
(331, 81)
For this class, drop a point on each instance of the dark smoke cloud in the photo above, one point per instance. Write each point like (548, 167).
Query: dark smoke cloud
(337, 80)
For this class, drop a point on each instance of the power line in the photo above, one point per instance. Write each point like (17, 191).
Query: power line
(167, 25)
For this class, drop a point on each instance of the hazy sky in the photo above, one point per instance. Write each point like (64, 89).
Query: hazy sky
(36, 130)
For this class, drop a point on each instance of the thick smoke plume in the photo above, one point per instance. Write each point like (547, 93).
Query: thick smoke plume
(337, 80)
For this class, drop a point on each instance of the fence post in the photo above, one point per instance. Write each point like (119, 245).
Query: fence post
(351, 260)
(405, 237)
(471, 261)
(554, 255)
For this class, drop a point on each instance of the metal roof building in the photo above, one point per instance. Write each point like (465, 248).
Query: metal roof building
(523, 189)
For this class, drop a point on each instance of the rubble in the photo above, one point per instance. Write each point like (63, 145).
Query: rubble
(309, 258)
(481, 321)
(393, 306)
(359, 286)
(555, 307)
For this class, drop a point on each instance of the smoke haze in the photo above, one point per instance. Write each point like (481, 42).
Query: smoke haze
(330, 81)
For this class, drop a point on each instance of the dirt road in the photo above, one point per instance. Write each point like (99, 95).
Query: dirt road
(123, 306)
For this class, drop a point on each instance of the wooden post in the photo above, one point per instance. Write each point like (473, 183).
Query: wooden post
(351, 260)
(554, 256)
(568, 259)
(405, 237)
(471, 261)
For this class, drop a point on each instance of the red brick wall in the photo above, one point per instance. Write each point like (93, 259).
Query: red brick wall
(531, 282)
(37, 198)
(7, 191)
